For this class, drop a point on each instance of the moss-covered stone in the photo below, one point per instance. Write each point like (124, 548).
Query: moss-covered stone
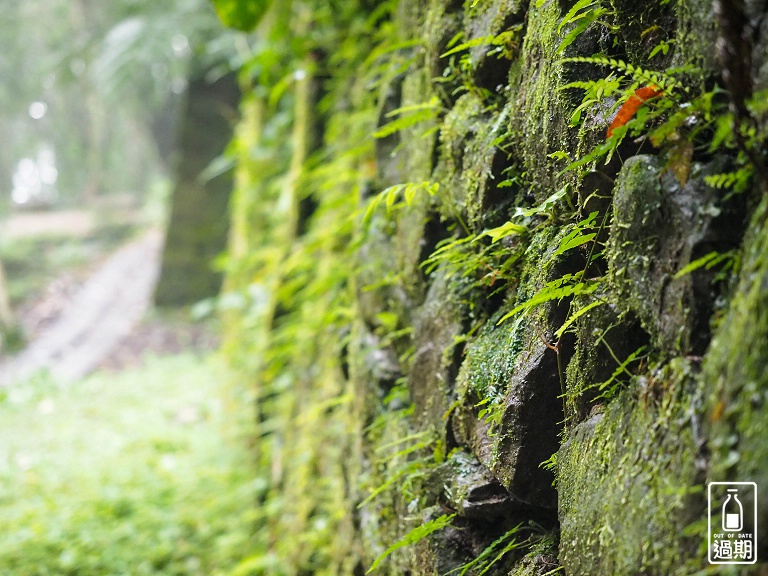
(540, 119)
(437, 327)
(736, 374)
(488, 19)
(443, 23)
(473, 492)
(659, 226)
(627, 482)
(510, 385)
(696, 34)
(469, 168)
(603, 339)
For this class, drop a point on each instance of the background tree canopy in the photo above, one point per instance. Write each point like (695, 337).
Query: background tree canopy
(95, 86)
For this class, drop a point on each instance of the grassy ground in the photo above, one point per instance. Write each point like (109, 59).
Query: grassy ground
(143, 472)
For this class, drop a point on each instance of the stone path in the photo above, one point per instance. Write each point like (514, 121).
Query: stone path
(104, 311)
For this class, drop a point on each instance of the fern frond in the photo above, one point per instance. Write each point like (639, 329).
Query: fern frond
(664, 81)
(738, 179)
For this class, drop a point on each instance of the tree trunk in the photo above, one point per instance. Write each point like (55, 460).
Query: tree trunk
(198, 225)
(7, 317)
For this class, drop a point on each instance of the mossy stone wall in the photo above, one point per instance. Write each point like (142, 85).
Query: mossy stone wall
(630, 469)
(573, 433)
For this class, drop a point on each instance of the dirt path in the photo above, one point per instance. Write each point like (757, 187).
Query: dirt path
(101, 314)
(62, 222)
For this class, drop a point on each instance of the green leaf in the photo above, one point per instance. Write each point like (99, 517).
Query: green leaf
(469, 44)
(608, 388)
(409, 116)
(573, 242)
(241, 14)
(573, 317)
(576, 237)
(549, 293)
(545, 207)
(414, 536)
(485, 554)
(586, 20)
(390, 482)
(503, 231)
(571, 15)
(662, 47)
(708, 261)
(596, 153)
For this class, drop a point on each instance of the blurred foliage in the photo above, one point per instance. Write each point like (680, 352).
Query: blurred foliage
(107, 78)
(304, 154)
(241, 15)
(151, 479)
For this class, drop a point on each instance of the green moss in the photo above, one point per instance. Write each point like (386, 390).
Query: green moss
(465, 169)
(419, 141)
(442, 24)
(591, 363)
(658, 227)
(626, 481)
(540, 121)
(491, 358)
(508, 384)
(634, 239)
(736, 371)
(696, 34)
(438, 325)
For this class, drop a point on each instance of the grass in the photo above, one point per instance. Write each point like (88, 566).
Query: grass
(143, 472)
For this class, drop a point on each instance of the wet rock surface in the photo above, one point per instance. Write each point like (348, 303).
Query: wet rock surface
(659, 227)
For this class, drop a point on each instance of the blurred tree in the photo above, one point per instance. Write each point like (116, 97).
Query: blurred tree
(103, 85)
(110, 76)
(199, 220)
(8, 327)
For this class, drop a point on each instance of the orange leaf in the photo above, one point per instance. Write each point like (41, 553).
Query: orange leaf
(631, 106)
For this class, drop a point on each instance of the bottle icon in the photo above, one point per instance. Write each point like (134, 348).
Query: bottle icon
(733, 513)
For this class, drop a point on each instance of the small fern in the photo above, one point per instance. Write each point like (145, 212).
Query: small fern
(583, 13)
(611, 385)
(580, 235)
(398, 196)
(492, 554)
(575, 316)
(504, 42)
(414, 536)
(738, 180)
(408, 116)
(594, 92)
(557, 289)
(668, 84)
(708, 261)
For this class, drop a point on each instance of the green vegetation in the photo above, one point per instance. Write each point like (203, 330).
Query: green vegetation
(439, 255)
(144, 472)
(32, 263)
